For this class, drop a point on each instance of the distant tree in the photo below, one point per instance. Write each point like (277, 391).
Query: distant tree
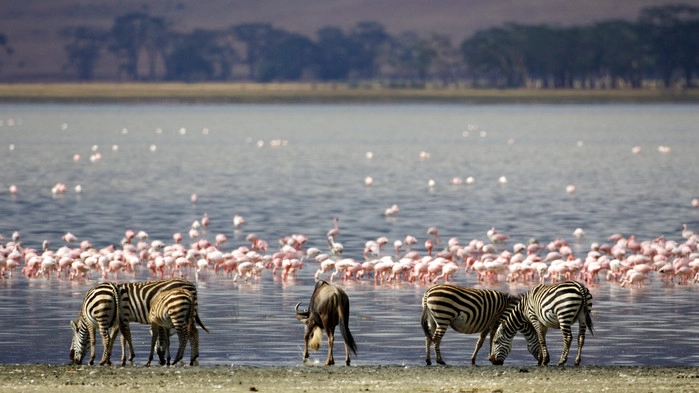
(136, 32)
(411, 58)
(335, 50)
(619, 51)
(371, 42)
(3, 42)
(672, 31)
(194, 56)
(444, 57)
(256, 37)
(285, 57)
(497, 55)
(84, 49)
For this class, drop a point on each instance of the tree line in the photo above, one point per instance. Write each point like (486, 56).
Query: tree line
(660, 47)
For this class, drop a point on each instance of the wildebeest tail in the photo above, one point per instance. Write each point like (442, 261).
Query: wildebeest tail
(344, 328)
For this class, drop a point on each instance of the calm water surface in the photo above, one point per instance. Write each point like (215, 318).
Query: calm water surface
(228, 156)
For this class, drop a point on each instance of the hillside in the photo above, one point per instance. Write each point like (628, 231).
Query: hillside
(32, 26)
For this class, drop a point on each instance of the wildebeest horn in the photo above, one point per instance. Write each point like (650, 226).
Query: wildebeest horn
(300, 312)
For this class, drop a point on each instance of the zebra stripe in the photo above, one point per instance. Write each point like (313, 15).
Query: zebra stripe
(547, 306)
(173, 308)
(468, 311)
(137, 299)
(100, 310)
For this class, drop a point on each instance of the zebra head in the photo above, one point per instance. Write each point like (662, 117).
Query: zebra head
(511, 321)
(78, 347)
(502, 345)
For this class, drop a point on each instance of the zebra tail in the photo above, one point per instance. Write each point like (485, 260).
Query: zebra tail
(424, 321)
(588, 308)
(199, 322)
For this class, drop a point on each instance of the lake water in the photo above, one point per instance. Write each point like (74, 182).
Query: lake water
(289, 169)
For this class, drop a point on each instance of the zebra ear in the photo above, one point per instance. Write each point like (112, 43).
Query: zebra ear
(72, 325)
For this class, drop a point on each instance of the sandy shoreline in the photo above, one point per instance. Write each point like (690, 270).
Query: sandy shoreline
(319, 93)
(51, 378)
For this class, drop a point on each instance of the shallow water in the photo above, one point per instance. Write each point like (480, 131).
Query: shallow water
(317, 173)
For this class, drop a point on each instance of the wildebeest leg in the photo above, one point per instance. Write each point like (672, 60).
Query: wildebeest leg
(479, 344)
(306, 336)
(331, 339)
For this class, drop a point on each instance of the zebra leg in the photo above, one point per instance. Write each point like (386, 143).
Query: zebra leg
(437, 340)
(567, 339)
(183, 336)
(581, 341)
(93, 345)
(194, 344)
(479, 344)
(428, 344)
(125, 340)
(107, 344)
(163, 349)
(154, 338)
(541, 333)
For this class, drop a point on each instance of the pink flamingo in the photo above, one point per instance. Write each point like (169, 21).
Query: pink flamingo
(496, 237)
(335, 230)
(409, 241)
(433, 231)
(634, 277)
(70, 238)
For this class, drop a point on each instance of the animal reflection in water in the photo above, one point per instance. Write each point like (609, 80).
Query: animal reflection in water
(328, 307)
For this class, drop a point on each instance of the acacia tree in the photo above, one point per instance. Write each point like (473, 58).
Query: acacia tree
(286, 57)
(256, 37)
(495, 54)
(371, 41)
(671, 32)
(334, 51)
(84, 49)
(133, 33)
(3, 42)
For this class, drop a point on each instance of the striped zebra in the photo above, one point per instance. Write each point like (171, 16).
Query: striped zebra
(546, 306)
(100, 310)
(137, 298)
(466, 310)
(173, 308)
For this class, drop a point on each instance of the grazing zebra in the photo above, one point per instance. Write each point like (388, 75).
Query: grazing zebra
(100, 310)
(546, 306)
(174, 308)
(466, 310)
(137, 298)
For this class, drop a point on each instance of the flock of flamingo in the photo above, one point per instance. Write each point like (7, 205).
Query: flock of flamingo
(622, 260)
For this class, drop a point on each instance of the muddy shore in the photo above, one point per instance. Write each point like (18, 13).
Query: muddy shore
(64, 378)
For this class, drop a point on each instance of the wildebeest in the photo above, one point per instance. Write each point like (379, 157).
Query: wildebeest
(329, 306)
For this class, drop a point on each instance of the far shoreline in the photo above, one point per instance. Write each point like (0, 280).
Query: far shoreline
(321, 93)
